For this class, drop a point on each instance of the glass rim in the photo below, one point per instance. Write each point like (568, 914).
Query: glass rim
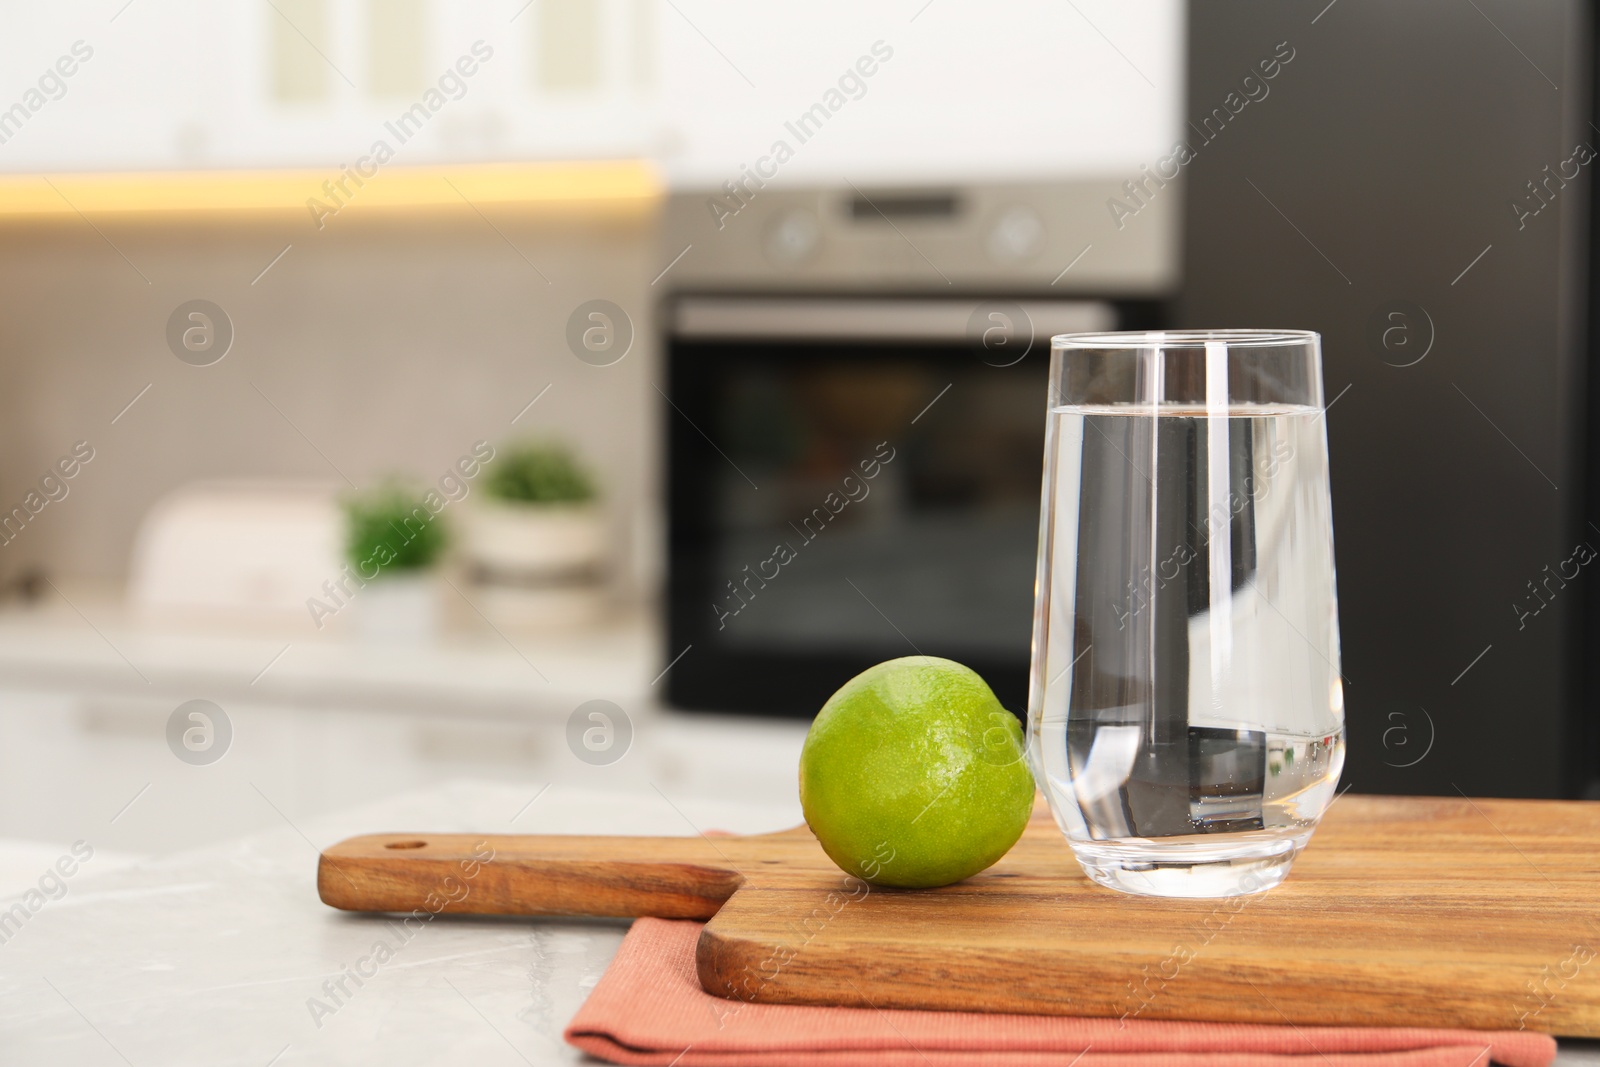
(1197, 339)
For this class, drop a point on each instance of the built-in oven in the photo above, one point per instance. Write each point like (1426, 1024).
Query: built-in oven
(854, 413)
(851, 480)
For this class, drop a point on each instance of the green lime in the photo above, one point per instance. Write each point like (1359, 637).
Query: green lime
(913, 775)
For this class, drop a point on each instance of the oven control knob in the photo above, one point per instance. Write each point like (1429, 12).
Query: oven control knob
(1017, 234)
(791, 237)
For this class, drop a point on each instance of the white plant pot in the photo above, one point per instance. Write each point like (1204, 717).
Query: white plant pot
(399, 609)
(534, 541)
(537, 565)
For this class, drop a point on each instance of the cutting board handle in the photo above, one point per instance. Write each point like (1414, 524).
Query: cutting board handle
(486, 874)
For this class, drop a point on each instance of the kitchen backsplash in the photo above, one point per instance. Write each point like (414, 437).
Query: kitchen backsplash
(368, 348)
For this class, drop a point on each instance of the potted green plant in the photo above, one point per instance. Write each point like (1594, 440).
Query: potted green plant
(536, 537)
(392, 542)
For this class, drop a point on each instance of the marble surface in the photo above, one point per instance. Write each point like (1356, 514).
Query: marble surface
(220, 956)
(216, 957)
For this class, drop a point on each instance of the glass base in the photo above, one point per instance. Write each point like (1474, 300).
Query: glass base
(1227, 865)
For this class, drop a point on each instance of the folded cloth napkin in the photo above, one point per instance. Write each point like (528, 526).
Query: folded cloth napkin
(649, 1009)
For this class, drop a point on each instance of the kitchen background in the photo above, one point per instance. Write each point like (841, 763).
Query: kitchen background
(581, 230)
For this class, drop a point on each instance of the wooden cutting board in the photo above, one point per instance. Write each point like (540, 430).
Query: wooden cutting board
(1403, 911)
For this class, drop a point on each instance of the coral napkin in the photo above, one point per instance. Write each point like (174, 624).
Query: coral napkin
(649, 1009)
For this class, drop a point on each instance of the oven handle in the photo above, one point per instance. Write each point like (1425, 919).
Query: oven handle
(845, 319)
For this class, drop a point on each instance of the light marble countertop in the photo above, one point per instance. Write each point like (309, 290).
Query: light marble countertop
(212, 957)
(216, 957)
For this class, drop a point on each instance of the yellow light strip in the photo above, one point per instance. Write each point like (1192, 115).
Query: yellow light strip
(620, 189)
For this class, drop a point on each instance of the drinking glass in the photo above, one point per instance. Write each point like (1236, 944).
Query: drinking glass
(1185, 711)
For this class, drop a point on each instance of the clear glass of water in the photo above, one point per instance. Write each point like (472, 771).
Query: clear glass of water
(1185, 713)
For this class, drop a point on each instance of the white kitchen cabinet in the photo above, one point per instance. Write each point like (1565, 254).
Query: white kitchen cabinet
(70, 764)
(914, 93)
(191, 84)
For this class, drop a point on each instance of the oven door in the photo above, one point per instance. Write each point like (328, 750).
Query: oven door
(852, 480)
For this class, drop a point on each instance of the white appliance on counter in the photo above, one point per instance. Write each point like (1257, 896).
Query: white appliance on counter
(245, 550)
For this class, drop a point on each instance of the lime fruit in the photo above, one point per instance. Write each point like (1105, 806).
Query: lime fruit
(913, 775)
